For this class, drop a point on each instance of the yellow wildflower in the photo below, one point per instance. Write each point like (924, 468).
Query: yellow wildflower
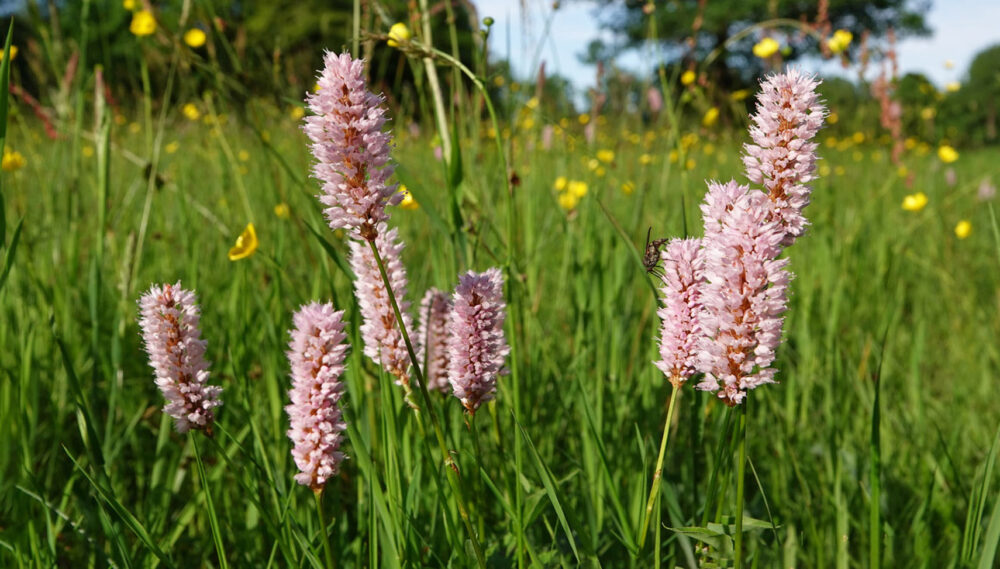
(840, 40)
(947, 154)
(646, 159)
(915, 202)
(87, 151)
(281, 210)
(709, 149)
(398, 33)
(711, 117)
(172, 147)
(584, 118)
(297, 113)
(902, 172)
(498, 81)
(606, 156)
(191, 111)
(824, 170)
(689, 164)
(128, 5)
(963, 229)
(839, 171)
(560, 184)
(568, 200)
(739, 95)
(408, 201)
(832, 118)
(12, 160)
(13, 53)
(577, 188)
(953, 86)
(766, 48)
(243, 155)
(532, 103)
(927, 113)
(134, 127)
(858, 137)
(515, 86)
(143, 23)
(628, 187)
(600, 171)
(195, 37)
(246, 244)
(593, 164)
(688, 77)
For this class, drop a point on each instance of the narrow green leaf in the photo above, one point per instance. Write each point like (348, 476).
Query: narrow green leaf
(8, 257)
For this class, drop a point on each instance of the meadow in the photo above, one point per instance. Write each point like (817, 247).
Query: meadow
(875, 448)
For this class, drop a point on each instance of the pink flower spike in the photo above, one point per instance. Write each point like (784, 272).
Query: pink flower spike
(477, 347)
(316, 354)
(432, 338)
(783, 156)
(351, 150)
(683, 281)
(169, 317)
(743, 297)
(381, 334)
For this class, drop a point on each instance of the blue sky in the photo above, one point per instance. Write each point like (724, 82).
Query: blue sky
(961, 28)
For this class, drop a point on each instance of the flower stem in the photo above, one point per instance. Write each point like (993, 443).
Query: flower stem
(451, 470)
(318, 494)
(213, 519)
(741, 472)
(658, 473)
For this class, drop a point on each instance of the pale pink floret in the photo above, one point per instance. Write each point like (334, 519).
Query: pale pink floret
(682, 280)
(783, 156)
(351, 150)
(477, 346)
(743, 297)
(169, 317)
(381, 334)
(432, 338)
(316, 354)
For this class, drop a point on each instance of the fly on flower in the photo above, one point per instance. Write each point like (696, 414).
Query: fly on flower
(245, 245)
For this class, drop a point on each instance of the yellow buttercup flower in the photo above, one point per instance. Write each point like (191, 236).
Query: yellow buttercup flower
(87, 151)
(953, 86)
(915, 202)
(947, 154)
(711, 117)
(143, 23)
(688, 77)
(13, 53)
(963, 229)
(646, 159)
(628, 187)
(606, 156)
(927, 113)
(246, 244)
(191, 111)
(577, 189)
(583, 118)
(840, 40)
(408, 201)
(172, 147)
(243, 155)
(297, 113)
(739, 95)
(832, 118)
(398, 33)
(195, 38)
(766, 48)
(568, 201)
(560, 184)
(128, 5)
(281, 210)
(12, 160)
(532, 103)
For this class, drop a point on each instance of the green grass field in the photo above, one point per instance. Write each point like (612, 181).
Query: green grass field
(885, 387)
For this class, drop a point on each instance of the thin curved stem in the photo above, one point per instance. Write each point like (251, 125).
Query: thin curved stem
(654, 491)
(740, 475)
(327, 552)
(451, 470)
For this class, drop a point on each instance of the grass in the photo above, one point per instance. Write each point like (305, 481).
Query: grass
(889, 312)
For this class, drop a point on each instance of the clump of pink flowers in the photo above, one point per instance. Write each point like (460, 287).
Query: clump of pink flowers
(169, 318)
(682, 280)
(351, 150)
(743, 296)
(380, 331)
(782, 158)
(432, 338)
(476, 345)
(316, 354)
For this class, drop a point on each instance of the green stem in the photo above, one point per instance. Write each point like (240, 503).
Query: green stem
(658, 473)
(451, 470)
(318, 494)
(213, 518)
(741, 471)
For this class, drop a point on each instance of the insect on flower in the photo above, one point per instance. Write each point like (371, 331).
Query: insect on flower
(651, 257)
